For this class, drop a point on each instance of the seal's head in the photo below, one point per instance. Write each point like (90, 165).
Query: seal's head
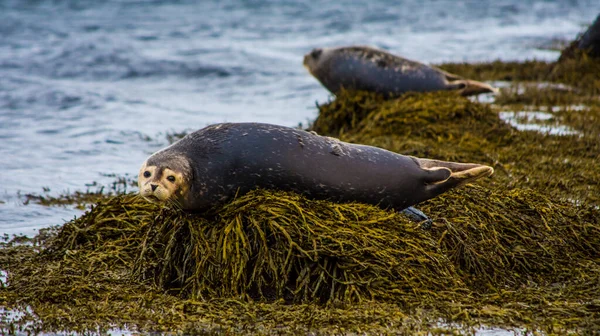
(314, 59)
(165, 178)
(321, 58)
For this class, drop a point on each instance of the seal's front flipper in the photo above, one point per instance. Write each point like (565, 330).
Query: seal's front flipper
(418, 216)
(468, 87)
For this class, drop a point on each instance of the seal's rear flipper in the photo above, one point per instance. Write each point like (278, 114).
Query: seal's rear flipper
(444, 175)
(467, 87)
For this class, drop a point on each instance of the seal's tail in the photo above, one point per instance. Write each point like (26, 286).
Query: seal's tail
(445, 175)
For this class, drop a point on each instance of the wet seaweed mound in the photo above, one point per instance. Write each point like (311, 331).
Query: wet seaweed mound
(266, 246)
(488, 253)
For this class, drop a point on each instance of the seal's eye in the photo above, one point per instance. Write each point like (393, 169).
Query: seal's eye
(316, 53)
(171, 178)
(147, 174)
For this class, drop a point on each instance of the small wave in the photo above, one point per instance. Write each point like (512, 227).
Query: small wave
(164, 68)
(40, 100)
(90, 61)
(46, 97)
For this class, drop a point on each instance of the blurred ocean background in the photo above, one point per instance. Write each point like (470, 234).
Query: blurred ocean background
(88, 89)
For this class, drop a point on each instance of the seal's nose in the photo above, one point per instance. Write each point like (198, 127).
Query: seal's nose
(154, 186)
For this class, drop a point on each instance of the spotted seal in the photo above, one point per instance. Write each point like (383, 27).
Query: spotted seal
(210, 166)
(375, 70)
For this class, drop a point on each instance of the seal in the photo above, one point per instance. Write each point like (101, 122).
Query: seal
(370, 69)
(212, 165)
(589, 42)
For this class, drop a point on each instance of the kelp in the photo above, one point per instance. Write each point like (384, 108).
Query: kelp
(299, 251)
(275, 255)
(265, 246)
